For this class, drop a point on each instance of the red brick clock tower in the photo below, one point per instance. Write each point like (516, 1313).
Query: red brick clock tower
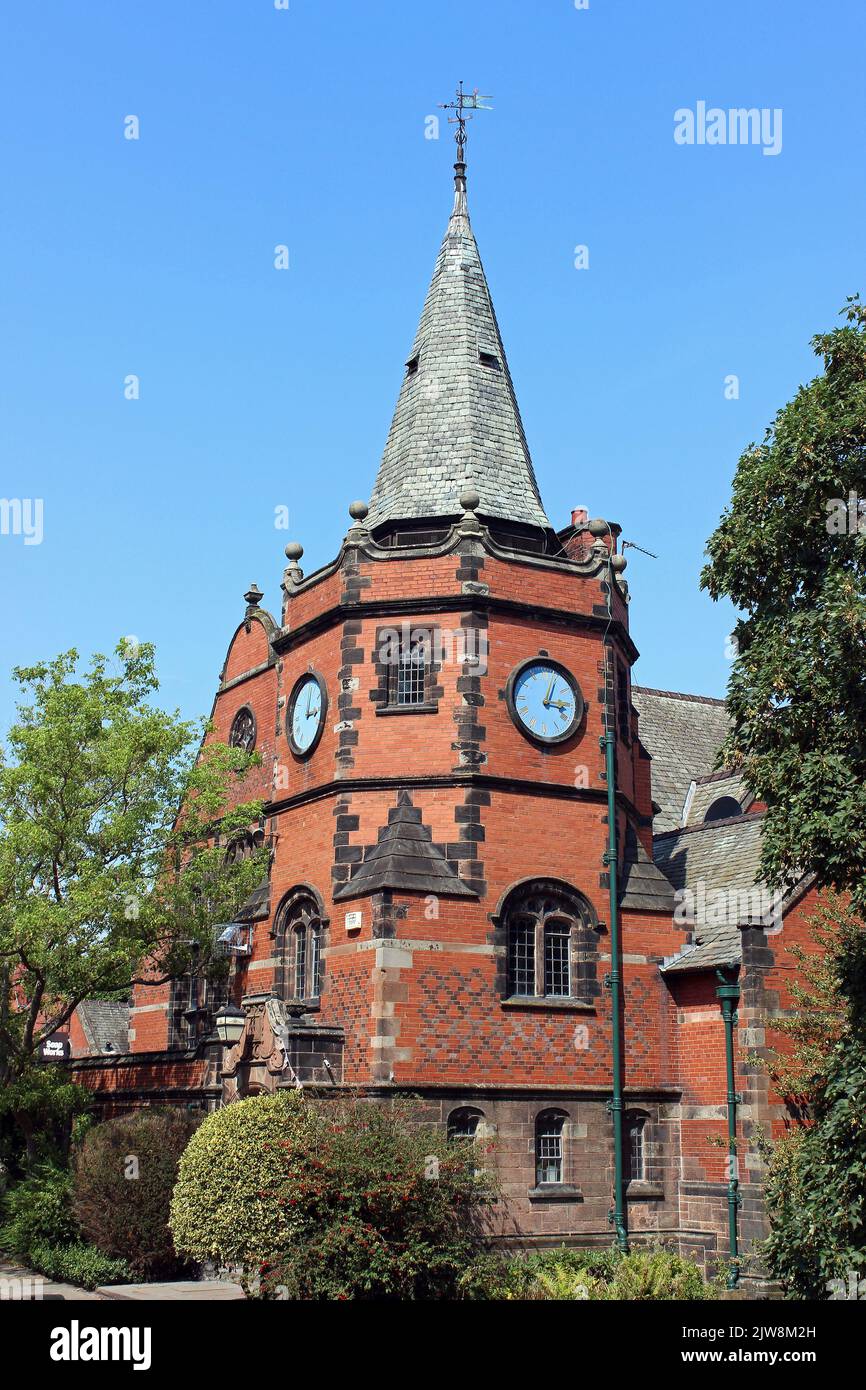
(429, 708)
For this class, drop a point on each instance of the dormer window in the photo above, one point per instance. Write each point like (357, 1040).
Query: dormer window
(723, 808)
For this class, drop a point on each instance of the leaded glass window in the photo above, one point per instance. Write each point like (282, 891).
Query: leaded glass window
(557, 967)
(299, 933)
(551, 944)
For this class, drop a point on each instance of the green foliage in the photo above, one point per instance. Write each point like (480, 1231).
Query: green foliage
(330, 1200)
(797, 696)
(97, 873)
(123, 1175)
(39, 1102)
(821, 1016)
(38, 1210)
(78, 1264)
(653, 1273)
(816, 1190)
(82, 1125)
(657, 1275)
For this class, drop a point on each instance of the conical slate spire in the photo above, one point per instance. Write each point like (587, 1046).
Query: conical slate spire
(457, 425)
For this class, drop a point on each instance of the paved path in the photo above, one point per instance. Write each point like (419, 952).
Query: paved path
(182, 1290)
(18, 1283)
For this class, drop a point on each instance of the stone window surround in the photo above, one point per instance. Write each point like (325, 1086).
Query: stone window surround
(284, 934)
(384, 693)
(573, 906)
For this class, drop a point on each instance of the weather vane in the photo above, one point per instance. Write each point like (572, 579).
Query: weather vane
(466, 101)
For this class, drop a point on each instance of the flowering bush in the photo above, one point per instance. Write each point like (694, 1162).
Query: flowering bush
(330, 1199)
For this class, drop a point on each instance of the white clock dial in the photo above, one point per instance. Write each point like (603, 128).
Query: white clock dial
(307, 709)
(545, 701)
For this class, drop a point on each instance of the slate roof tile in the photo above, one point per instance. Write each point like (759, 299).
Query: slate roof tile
(405, 858)
(720, 864)
(457, 423)
(105, 1024)
(682, 734)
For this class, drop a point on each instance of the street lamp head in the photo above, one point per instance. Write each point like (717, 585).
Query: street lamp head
(229, 1024)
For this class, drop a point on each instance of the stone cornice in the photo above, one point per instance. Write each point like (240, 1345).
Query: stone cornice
(448, 603)
(360, 539)
(561, 791)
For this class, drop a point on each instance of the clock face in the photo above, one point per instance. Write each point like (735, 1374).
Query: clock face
(544, 700)
(308, 706)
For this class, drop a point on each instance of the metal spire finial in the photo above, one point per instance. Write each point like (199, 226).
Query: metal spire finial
(465, 101)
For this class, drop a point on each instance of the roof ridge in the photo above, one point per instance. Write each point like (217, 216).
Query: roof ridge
(678, 695)
(708, 825)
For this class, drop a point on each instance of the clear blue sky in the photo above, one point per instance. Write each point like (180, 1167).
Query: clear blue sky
(262, 388)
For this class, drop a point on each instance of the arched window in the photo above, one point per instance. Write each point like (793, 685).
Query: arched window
(300, 945)
(315, 945)
(550, 944)
(722, 808)
(463, 1124)
(243, 845)
(549, 1127)
(635, 1150)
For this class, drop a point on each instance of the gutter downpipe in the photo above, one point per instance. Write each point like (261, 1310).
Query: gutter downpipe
(728, 994)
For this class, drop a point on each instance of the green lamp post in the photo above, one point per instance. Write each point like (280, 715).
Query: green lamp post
(728, 994)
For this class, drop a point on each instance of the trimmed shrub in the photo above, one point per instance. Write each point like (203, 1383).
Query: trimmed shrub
(123, 1175)
(330, 1199)
(79, 1264)
(38, 1209)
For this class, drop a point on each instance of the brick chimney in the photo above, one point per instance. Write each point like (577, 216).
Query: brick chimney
(576, 540)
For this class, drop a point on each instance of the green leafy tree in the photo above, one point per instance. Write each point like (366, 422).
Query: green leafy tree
(797, 693)
(103, 884)
(790, 552)
(816, 1190)
(822, 1016)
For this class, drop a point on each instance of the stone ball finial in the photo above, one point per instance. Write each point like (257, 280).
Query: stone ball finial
(358, 510)
(618, 563)
(597, 527)
(294, 551)
(469, 499)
